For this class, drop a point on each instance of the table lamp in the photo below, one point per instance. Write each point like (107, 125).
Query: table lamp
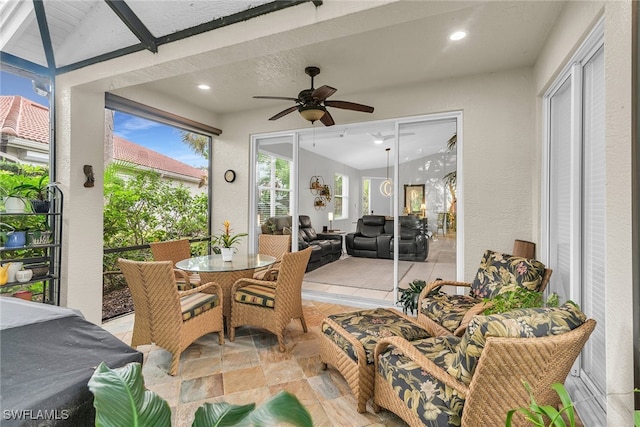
(330, 221)
(423, 209)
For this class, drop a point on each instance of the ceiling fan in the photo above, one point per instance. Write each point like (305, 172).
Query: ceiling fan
(311, 103)
(379, 138)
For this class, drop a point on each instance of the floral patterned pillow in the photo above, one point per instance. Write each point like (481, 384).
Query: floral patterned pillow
(500, 270)
(523, 323)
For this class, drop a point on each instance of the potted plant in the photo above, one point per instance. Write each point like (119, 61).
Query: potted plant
(225, 241)
(37, 192)
(12, 194)
(409, 297)
(513, 298)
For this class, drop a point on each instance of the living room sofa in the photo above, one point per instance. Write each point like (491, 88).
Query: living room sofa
(373, 238)
(326, 247)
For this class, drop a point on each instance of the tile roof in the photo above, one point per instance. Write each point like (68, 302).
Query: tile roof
(24, 118)
(128, 151)
(29, 120)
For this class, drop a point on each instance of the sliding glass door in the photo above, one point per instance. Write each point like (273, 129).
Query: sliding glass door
(576, 199)
(399, 172)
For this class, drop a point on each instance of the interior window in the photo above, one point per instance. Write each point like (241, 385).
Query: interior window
(341, 204)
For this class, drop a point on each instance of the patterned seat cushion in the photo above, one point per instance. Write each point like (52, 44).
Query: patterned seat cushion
(498, 271)
(447, 310)
(434, 402)
(368, 326)
(197, 303)
(256, 295)
(523, 323)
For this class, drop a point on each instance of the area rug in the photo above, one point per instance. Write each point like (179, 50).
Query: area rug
(366, 273)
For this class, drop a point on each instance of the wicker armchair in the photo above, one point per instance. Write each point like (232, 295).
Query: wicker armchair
(275, 245)
(445, 314)
(271, 305)
(170, 318)
(174, 251)
(475, 380)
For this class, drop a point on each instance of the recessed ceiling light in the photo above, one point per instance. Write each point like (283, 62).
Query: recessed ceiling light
(458, 35)
(204, 87)
(378, 141)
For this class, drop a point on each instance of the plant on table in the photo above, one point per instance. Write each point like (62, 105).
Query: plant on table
(226, 239)
(121, 399)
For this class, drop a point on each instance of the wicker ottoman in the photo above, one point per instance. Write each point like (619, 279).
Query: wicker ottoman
(349, 339)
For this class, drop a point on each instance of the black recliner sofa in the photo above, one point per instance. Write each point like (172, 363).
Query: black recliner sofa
(373, 238)
(326, 247)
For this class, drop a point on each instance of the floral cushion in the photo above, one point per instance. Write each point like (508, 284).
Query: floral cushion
(368, 326)
(499, 270)
(434, 402)
(447, 310)
(523, 323)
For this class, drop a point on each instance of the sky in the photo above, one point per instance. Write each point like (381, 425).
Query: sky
(153, 135)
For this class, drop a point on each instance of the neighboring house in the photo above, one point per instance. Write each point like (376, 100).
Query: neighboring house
(130, 157)
(24, 131)
(24, 138)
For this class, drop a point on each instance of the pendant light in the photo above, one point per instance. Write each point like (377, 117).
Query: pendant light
(386, 187)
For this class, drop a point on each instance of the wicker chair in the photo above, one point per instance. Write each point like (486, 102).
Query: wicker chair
(445, 314)
(271, 305)
(170, 318)
(420, 382)
(174, 251)
(275, 245)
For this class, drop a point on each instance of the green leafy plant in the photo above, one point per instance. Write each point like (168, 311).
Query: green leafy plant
(516, 297)
(226, 240)
(409, 296)
(121, 399)
(36, 188)
(565, 416)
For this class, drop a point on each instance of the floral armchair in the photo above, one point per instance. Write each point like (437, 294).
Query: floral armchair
(445, 314)
(474, 380)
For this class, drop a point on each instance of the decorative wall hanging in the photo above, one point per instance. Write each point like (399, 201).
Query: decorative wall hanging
(322, 192)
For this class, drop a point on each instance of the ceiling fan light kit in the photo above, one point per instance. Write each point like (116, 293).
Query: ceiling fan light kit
(312, 112)
(311, 103)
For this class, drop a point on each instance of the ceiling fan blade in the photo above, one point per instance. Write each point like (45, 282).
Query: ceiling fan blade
(323, 92)
(284, 98)
(327, 120)
(284, 112)
(349, 106)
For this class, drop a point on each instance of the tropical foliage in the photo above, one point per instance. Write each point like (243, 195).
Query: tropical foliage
(145, 208)
(121, 399)
(409, 296)
(545, 415)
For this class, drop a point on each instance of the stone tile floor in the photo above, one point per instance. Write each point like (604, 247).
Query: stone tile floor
(251, 369)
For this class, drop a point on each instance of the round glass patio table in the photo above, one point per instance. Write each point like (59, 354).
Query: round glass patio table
(211, 268)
